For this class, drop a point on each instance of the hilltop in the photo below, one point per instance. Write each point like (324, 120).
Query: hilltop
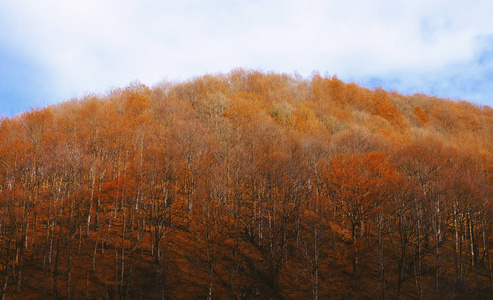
(248, 185)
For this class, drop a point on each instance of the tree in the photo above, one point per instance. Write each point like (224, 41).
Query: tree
(359, 185)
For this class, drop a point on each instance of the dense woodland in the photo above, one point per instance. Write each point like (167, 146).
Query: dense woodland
(248, 185)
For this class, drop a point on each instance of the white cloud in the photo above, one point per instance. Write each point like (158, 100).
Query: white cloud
(93, 45)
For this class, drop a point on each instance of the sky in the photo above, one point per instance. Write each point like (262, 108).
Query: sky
(56, 50)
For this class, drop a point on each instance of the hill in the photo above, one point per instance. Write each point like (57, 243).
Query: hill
(248, 185)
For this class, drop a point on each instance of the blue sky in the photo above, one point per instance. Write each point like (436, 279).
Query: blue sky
(55, 50)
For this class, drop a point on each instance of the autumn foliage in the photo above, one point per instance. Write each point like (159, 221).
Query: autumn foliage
(248, 185)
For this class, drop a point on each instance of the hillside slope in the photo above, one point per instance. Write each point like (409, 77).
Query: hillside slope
(248, 185)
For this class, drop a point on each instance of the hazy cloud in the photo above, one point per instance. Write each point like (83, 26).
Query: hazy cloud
(440, 47)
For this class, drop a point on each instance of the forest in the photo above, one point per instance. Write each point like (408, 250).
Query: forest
(248, 185)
